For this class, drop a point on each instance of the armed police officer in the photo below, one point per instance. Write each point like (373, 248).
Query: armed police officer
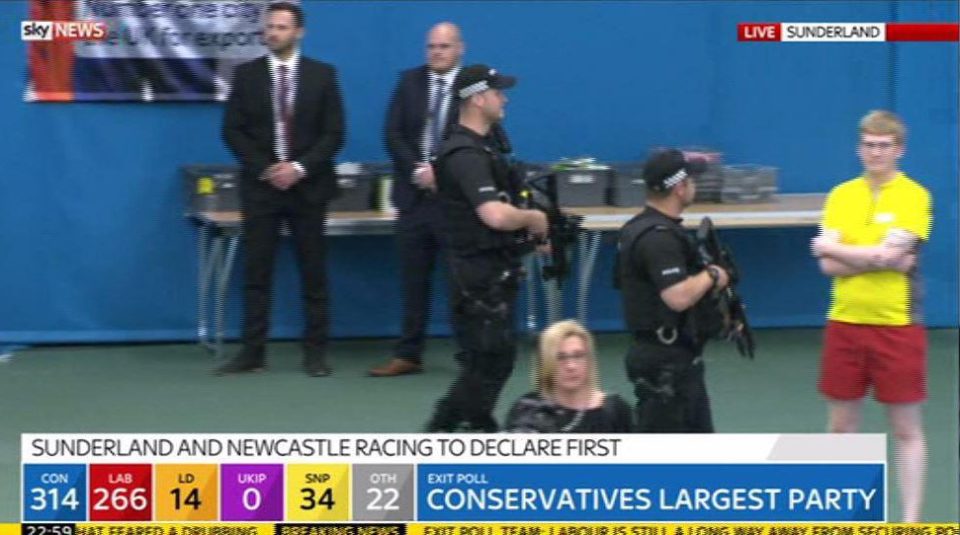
(667, 301)
(487, 234)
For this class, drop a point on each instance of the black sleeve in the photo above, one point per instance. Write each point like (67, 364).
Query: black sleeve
(620, 414)
(660, 254)
(471, 169)
(236, 126)
(331, 124)
(527, 415)
(403, 154)
(510, 424)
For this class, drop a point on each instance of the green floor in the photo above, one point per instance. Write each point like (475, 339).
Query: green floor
(168, 388)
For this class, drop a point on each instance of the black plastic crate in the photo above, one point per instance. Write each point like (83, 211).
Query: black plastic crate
(709, 184)
(582, 187)
(211, 188)
(627, 188)
(748, 183)
(355, 192)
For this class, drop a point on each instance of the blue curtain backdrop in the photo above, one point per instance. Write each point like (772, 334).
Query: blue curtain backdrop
(93, 245)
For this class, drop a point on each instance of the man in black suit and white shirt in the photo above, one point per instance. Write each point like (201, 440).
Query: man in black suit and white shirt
(421, 111)
(284, 123)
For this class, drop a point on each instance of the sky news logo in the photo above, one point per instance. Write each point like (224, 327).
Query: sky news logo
(63, 30)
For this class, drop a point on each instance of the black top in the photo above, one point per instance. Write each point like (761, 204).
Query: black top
(534, 414)
(470, 168)
(655, 253)
(661, 255)
(471, 172)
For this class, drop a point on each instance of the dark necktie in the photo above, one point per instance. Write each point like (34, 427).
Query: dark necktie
(283, 94)
(436, 126)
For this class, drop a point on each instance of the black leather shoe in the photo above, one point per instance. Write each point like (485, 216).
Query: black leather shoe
(459, 427)
(240, 365)
(316, 367)
(485, 424)
(443, 420)
(435, 426)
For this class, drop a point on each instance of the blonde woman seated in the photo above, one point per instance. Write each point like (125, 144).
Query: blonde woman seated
(568, 398)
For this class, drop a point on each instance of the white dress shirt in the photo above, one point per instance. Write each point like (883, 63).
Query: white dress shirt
(293, 65)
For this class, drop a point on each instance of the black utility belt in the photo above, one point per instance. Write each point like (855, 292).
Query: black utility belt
(664, 336)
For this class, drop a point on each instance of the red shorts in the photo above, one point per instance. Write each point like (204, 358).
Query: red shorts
(892, 359)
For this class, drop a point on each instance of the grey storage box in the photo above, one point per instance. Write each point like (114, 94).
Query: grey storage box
(748, 183)
(627, 188)
(211, 188)
(710, 182)
(582, 187)
(355, 190)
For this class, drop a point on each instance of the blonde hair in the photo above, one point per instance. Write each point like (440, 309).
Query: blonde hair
(884, 123)
(545, 360)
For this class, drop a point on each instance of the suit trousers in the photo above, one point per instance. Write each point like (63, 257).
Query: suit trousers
(419, 244)
(261, 234)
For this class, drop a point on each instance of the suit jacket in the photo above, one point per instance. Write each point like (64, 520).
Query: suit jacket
(318, 129)
(403, 131)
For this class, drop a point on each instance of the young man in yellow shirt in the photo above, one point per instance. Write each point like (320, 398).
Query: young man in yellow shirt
(870, 238)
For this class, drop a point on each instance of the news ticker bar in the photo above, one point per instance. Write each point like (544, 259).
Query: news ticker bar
(848, 32)
(538, 528)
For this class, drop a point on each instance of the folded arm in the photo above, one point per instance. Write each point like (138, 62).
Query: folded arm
(895, 253)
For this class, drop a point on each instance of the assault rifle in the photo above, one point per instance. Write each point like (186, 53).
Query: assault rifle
(538, 191)
(735, 326)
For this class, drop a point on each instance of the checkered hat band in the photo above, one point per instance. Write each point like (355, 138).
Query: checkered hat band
(675, 179)
(473, 89)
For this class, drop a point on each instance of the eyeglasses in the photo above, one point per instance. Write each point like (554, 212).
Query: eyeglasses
(878, 145)
(571, 356)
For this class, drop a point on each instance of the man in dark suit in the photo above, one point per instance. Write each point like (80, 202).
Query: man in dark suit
(421, 111)
(284, 123)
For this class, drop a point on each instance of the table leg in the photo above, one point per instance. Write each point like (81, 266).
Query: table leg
(204, 274)
(226, 261)
(216, 268)
(589, 248)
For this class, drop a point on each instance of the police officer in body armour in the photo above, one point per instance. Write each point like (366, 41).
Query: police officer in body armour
(667, 301)
(487, 234)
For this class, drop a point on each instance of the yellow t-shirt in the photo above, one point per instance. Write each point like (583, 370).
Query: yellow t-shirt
(861, 217)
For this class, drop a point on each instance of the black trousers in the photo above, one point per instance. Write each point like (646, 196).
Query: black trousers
(419, 243)
(261, 235)
(669, 386)
(483, 304)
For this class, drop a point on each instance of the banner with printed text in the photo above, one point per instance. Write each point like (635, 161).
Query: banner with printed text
(151, 50)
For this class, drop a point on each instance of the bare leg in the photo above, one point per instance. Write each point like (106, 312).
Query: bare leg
(906, 421)
(844, 416)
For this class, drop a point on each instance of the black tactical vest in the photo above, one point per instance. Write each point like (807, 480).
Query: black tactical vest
(643, 308)
(466, 232)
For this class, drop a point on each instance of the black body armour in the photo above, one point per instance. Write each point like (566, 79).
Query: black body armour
(467, 233)
(644, 310)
